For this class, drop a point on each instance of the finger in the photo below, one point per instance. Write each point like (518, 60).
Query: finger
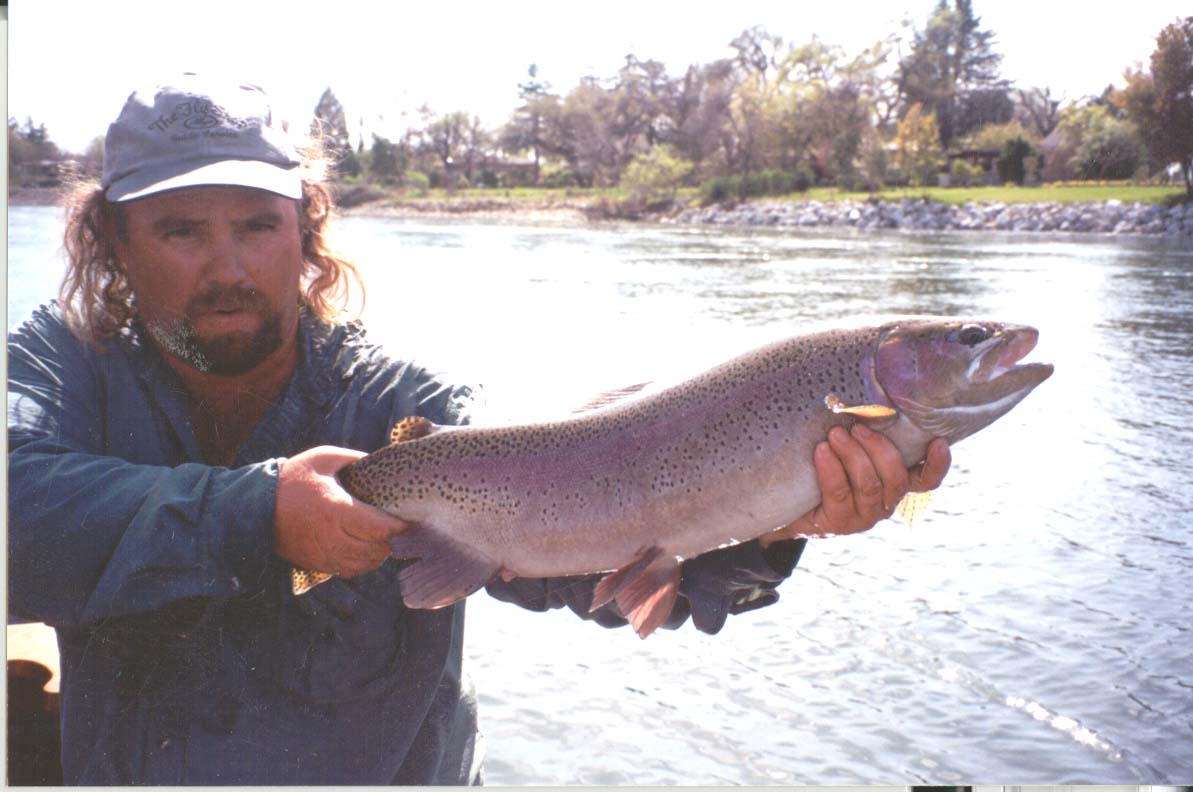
(367, 523)
(888, 464)
(352, 557)
(863, 479)
(931, 473)
(366, 559)
(836, 497)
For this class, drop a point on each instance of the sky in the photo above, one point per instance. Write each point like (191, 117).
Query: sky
(72, 63)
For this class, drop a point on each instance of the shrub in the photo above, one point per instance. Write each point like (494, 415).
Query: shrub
(918, 154)
(995, 137)
(655, 176)
(417, 181)
(874, 170)
(552, 176)
(767, 182)
(718, 190)
(1104, 147)
(1114, 153)
(1011, 163)
(965, 174)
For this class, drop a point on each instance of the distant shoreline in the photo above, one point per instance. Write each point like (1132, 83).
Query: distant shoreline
(1099, 217)
(547, 212)
(34, 196)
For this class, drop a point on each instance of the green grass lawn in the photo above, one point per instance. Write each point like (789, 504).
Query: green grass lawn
(1125, 192)
(1060, 193)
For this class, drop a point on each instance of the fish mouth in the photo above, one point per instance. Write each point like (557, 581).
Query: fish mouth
(998, 365)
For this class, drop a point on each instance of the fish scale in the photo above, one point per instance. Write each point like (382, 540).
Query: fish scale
(635, 486)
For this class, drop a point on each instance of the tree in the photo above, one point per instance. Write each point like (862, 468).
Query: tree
(29, 144)
(93, 155)
(753, 134)
(387, 161)
(331, 126)
(952, 71)
(918, 154)
(1037, 110)
(528, 128)
(1160, 101)
(754, 129)
(830, 109)
(447, 138)
(588, 141)
(642, 95)
(477, 141)
(699, 113)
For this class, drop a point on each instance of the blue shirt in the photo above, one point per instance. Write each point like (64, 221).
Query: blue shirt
(184, 657)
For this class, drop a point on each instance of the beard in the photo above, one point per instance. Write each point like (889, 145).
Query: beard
(227, 354)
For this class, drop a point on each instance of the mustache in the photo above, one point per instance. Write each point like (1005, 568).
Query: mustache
(226, 298)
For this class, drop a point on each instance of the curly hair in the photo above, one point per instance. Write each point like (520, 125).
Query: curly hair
(97, 299)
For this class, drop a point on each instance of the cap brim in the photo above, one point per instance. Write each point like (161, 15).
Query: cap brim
(232, 173)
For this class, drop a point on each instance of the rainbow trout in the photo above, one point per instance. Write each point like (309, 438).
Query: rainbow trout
(633, 487)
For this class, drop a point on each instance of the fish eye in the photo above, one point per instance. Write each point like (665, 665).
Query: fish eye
(972, 334)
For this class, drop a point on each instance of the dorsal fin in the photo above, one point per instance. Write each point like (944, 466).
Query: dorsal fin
(861, 411)
(410, 428)
(611, 397)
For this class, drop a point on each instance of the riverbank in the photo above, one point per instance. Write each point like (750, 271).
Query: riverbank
(566, 212)
(1100, 217)
(34, 196)
(1111, 216)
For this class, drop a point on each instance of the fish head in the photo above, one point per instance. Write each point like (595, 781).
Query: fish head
(952, 377)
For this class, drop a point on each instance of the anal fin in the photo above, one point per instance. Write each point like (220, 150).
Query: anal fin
(912, 506)
(441, 570)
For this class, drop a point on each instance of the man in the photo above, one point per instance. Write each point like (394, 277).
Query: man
(175, 426)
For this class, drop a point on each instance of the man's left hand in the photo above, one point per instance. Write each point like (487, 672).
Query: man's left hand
(862, 479)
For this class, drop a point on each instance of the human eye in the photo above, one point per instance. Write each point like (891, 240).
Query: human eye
(264, 223)
(180, 231)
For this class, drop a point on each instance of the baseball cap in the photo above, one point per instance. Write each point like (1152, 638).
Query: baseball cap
(198, 131)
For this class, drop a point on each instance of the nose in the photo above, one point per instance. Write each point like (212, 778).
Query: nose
(226, 260)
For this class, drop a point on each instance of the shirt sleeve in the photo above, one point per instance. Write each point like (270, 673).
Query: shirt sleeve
(712, 586)
(93, 536)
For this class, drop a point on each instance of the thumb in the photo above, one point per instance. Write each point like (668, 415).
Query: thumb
(329, 460)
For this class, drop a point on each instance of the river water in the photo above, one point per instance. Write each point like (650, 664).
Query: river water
(1032, 628)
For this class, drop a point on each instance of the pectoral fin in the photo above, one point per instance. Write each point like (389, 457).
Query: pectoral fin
(861, 411)
(442, 570)
(303, 580)
(410, 428)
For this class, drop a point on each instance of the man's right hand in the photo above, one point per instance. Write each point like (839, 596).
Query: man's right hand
(319, 526)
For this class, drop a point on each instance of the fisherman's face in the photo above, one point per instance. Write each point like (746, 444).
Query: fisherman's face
(215, 272)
